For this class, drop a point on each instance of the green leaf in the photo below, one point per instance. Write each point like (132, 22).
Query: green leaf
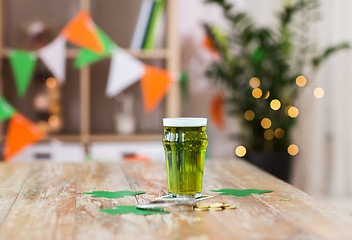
(240, 192)
(133, 210)
(328, 52)
(118, 194)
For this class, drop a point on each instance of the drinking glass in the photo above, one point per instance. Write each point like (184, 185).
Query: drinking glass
(185, 141)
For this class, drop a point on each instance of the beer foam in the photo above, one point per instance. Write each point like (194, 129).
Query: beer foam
(184, 122)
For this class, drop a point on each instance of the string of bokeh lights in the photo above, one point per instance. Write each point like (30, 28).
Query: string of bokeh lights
(275, 105)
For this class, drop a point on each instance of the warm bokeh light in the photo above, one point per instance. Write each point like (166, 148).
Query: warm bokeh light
(301, 81)
(266, 123)
(249, 115)
(54, 121)
(42, 125)
(293, 112)
(269, 134)
(257, 93)
(279, 133)
(254, 82)
(241, 151)
(266, 95)
(292, 150)
(318, 92)
(51, 82)
(55, 108)
(275, 104)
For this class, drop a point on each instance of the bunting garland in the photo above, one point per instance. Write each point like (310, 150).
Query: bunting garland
(217, 111)
(53, 56)
(82, 32)
(155, 84)
(22, 63)
(95, 45)
(125, 70)
(6, 110)
(86, 57)
(21, 133)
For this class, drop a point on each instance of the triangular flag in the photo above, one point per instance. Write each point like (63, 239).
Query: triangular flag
(86, 57)
(82, 32)
(6, 110)
(23, 64)
(53, 56)
(155, 83)
(125, 70)
(21, 133)
(217, 110)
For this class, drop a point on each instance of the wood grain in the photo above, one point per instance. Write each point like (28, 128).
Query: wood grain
(46, 201)
(97, 225)
(12, 177)
(45, 206)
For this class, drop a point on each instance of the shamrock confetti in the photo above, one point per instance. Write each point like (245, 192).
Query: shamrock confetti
(118, 194)
(240, 193)
(284, 199)
(133, 210)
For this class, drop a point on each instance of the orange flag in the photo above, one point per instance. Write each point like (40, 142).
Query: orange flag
(217, 110)
(208, 44)
(20, 134)
(155, 83)
(82, 32)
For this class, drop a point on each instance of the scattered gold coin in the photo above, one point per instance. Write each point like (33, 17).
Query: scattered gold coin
(225, 205)
(216, 205)
(230, 207)
(201, 209)
(215, 209)
(203, 205)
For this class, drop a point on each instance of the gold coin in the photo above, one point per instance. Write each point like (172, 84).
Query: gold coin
(225, 205)
(230, 207)
(201, 209)
(215, 209)
(203, 205)
(216, 205)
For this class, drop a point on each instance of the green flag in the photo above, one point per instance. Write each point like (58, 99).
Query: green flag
(23, 64)
(6, 110)
(86, 57)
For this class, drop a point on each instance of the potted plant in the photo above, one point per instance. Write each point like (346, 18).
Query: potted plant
(262, 69)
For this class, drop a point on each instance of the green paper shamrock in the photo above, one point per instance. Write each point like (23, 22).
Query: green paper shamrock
(118, 194)
(132, 209)
(240, 193)
(284, 199)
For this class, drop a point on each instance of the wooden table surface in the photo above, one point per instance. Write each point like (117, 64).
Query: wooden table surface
(45, 201)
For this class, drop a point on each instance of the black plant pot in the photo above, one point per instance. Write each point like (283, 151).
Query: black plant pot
(276, 163)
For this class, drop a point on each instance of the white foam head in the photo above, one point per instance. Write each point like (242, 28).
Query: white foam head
(184, 122)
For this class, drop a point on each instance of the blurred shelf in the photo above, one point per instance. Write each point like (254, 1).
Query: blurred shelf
(102, 138)
(71, 53)
(65, 138)
(124, 138)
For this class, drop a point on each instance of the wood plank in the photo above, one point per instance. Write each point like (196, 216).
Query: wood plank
(302, 210)
(92, 224)
(12, 178)
(45, 207)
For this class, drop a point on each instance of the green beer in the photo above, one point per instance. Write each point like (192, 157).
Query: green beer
(185, 141)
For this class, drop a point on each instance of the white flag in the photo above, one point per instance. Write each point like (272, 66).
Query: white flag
(53, 56)
(125, 70)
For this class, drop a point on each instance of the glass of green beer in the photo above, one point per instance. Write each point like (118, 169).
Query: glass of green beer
(185, 141)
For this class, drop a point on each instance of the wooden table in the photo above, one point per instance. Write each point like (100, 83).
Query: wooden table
(45, 201)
